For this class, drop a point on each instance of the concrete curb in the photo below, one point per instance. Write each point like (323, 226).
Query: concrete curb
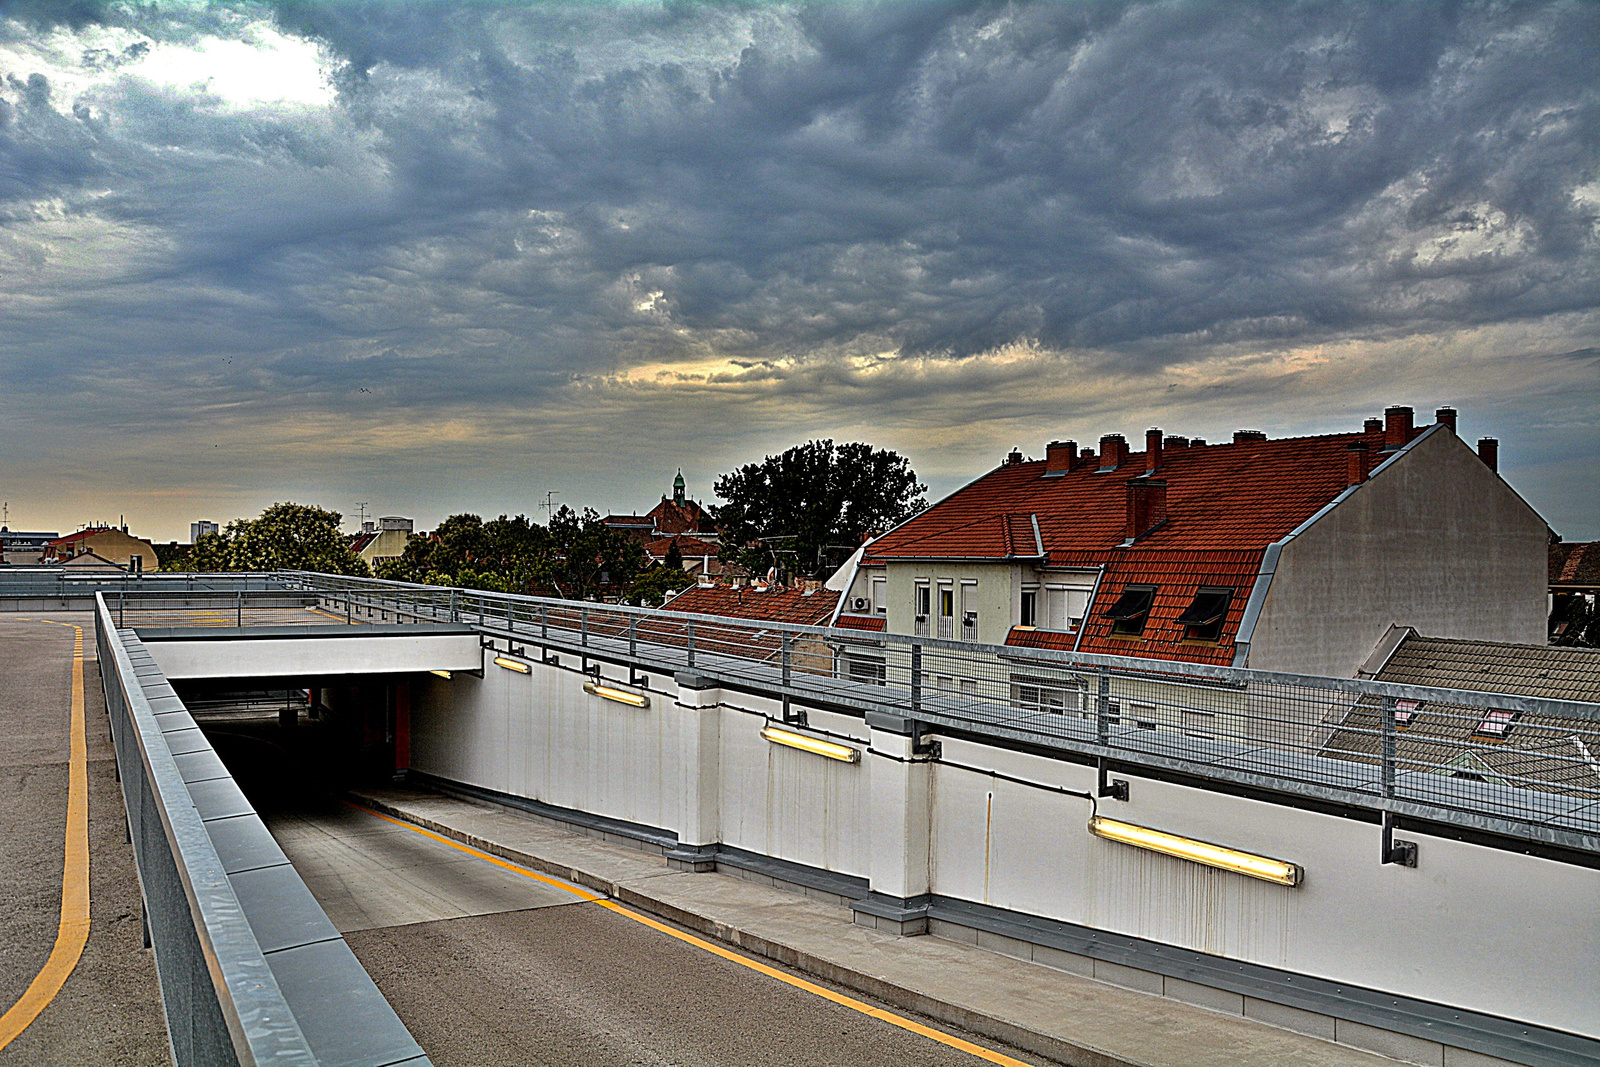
(894, 994)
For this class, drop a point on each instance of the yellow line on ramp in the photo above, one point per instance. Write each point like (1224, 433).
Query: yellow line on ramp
(73, 931)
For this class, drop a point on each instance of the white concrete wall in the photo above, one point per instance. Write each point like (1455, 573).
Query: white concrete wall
(1477, 928)
(284, 657)
(1437, 541)
(1484, 929)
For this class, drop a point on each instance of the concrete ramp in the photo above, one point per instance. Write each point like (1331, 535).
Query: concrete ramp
(185, 653)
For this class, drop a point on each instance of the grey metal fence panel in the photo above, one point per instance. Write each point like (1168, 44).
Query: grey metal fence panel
(1492, 761)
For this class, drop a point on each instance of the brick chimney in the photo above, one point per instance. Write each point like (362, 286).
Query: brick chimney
(1147, 505)
(1355, 462)
(1446, 417)
(1396, 427)
(1197, 442)
(1086, 456)
(1113, 451)
(1059, 456)
(1152, 449)
(1489, 452)
(1174, 444)
(1013, 458)
(1241, 436)
(1372, 426)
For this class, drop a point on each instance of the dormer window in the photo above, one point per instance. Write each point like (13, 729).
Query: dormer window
(1132, 608)
(1496, 724)
(1202, 620)
(1404, 711)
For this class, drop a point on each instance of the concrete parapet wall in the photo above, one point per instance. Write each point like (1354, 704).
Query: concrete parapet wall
(1473, 927)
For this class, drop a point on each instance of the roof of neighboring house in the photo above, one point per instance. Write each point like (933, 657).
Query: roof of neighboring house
(800, 607)
(1575, 563)
(861, 622)
(1547, 752)
(1225, 504)
(93, 561)
(671, 517)
(80, 535)
(687, 545)
(362, 540)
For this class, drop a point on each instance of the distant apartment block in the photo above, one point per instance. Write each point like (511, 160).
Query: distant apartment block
(384, 538)
(1297, 554)
(24, 547)
(101, 548)
(199, 529)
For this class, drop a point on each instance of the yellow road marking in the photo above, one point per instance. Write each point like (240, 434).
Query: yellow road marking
(728, 954)
(73, 932)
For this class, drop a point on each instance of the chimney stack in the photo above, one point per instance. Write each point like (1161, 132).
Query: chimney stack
(1059, 456)
(1355, 461)
(1396, 427)
(1152, 449)
(1147, 505)
(1241, 436)
(1446, 417)
(1197, 442)
(1372, 426)
(1173, 444)
(1013, 458)
(1113, 451)
(1086, 456)
(1489, 452)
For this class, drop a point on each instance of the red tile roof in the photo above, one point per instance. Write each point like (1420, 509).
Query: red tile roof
(687, 546)
(861, 622)
(1575, 563)
(779, 605)
(1225, 504)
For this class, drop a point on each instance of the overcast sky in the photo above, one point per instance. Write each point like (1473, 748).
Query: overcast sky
(443, 257)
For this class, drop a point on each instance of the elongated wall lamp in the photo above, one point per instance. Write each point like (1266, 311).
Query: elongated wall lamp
(442, 674)
(790, 739)
(621, 696)
(513, 665)
(1185, 848)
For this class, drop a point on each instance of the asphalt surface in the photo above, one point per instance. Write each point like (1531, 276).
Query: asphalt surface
(486, 966)
(109, 1011)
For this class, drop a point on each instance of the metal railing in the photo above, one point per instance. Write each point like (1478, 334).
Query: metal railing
(1523, 766)
(222, 1002)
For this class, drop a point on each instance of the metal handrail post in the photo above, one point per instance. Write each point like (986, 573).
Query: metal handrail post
(788, 652)
(633, 635)
(583, 626)
(1103, 712)
(1388, 752)
(690, 628)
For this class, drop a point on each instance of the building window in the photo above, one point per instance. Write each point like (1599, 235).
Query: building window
(1132, 608)
(969, 611)
(922, 602)
(1496, 724)
(868, 669)
(880, 596)
(947, 609)
(1030, 606)
(1404, 711)
(1202, 620)
(1065, 607)
(1200, 724)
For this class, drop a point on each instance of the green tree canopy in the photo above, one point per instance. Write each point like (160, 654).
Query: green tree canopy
(589, 556)
(807, 509)
(504, 554)
(651, 587)
(287, 536)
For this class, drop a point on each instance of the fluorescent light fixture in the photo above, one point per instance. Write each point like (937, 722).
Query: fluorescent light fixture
(621, 696)
(843, 753)
(513, 665)
(442, 674)
(1185, 848)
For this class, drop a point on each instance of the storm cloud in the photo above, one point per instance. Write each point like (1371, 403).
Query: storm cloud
(442, 256)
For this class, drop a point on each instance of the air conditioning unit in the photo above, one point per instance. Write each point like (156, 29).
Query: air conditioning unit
(859, 603)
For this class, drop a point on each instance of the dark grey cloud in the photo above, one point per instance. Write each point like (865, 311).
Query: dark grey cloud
(728, 225)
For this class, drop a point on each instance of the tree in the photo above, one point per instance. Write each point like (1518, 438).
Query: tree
(286, 537)
(504, 555)
(587, 555)
(651, 587)
(807, 509)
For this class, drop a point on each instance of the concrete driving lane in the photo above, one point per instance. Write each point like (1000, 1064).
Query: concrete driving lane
(487, 966)
(109, 1009)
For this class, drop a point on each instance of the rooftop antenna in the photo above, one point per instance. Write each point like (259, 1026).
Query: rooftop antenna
(549, 504)
(5, 513)
(362, 504)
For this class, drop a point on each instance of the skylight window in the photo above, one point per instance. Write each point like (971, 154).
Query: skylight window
(1496, 724)
(1202, 620)
(1404, 711)
(1132, 608)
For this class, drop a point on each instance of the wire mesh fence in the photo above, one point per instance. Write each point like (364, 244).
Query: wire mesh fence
(1500, 762)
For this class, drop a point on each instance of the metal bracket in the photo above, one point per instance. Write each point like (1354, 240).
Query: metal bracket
(1400, 853)
(1116, 788)
(793, 716)
(922, 744)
